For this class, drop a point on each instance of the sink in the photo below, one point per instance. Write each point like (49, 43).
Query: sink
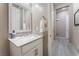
(16, 38)
(24, 38)
(19, 41)
(29, 37)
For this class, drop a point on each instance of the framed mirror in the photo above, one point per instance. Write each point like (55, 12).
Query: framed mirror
(20, 17)
(76, 18)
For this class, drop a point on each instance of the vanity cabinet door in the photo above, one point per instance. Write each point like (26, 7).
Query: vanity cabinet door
(14, 50)
(39, 50)
(36, 51)
(31, 46)
(30, 53)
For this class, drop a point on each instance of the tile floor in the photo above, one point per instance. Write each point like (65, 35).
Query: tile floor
(62, 47)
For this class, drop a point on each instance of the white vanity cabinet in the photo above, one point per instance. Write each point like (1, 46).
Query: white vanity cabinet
(34, 48)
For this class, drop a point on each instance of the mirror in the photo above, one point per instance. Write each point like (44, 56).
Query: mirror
(76, 18)
(19, 17)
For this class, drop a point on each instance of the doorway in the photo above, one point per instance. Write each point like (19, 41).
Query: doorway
(62, 23)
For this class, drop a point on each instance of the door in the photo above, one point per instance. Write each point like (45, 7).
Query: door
(62, 24)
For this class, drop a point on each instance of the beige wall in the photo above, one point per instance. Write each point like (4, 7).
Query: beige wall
(4, 44)
(59, 5)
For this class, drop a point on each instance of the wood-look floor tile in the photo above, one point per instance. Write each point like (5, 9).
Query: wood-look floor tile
(62, 47)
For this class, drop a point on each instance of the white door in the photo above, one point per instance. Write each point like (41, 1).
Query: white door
(62, 23)
(50, 28)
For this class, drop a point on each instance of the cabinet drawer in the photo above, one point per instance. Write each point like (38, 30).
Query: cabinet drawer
(30, 46)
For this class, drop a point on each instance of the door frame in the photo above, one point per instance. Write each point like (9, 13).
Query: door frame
(50, 28)
(67, 24)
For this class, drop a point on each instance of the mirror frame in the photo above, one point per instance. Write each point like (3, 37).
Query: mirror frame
(10, 24)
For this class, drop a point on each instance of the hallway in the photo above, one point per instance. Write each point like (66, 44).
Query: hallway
(62, 47)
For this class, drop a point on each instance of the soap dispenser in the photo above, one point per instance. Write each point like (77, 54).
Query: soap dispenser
(13, 34)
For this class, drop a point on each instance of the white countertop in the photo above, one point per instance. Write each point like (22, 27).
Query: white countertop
(20, 41)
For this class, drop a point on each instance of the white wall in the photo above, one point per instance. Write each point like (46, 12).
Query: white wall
(75, 28)
(38, 10)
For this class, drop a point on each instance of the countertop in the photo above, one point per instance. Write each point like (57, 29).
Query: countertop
(20, 41)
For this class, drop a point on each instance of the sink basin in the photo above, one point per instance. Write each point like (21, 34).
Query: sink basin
(24, 38)
(19, 41)
(16, 38)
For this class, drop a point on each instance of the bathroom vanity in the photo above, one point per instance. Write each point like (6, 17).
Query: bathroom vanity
(31, 45)
(21, 21)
